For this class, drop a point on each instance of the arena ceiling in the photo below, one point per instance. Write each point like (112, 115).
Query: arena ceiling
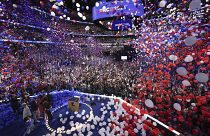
(152, 8)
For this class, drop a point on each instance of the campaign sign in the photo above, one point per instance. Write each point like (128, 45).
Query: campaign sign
(104, 9)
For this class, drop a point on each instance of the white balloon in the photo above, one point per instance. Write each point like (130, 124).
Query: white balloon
(73, 128)
(68, 18)
(92, 126)
(162, 3)
(143, 134)
(202, 77)
(90, 133)
(169, 5)
(63, 128)
(144, 118)
(83, 112)
(60, 115)
(14, 5)
(104, 123)
(188, 58)
(154, 123)
(77, 123)
(149, 103)
(60, 3)
(79, 14)
(72, 125)
(181, 71)
(173, 57)
(88, 128)
(77, 5)
(193, 104)
(195, 5)
(190, 40)
(100, 124)
(83, 129)
(177, 106)
(53, 134)
(136, 130)
(88, 125)
(55, 7)
(126, 133)
(58, 130)
(88, 28)
(139, 120)
(71, 117)
(186, 82)
(95, 122)
(96, 4)
(87, 7)
(84, 17)
(87, 116)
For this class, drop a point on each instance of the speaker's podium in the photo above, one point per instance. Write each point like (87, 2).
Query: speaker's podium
(73, 103)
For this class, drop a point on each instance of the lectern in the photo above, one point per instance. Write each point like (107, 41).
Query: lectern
(73, 103)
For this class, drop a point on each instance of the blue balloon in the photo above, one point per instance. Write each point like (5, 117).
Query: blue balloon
(183, 29)
(65, 10)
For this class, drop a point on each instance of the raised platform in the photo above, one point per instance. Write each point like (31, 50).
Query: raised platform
(108, 116)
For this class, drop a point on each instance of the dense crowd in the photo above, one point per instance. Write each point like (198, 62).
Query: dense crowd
(32, 68)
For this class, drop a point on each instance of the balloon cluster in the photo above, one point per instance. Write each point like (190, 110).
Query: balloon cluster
(174, 86)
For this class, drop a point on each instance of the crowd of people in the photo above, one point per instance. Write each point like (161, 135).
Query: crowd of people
(34, 68)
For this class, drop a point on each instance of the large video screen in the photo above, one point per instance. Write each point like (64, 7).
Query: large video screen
(103, 9)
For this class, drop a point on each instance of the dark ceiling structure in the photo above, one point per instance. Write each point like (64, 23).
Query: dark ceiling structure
(74, 8)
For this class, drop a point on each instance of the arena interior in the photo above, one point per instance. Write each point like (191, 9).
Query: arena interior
(104, 68)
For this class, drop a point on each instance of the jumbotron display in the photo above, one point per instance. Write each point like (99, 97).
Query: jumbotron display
(120, 13)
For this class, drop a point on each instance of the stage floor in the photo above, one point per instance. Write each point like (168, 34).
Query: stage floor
(64, 119)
